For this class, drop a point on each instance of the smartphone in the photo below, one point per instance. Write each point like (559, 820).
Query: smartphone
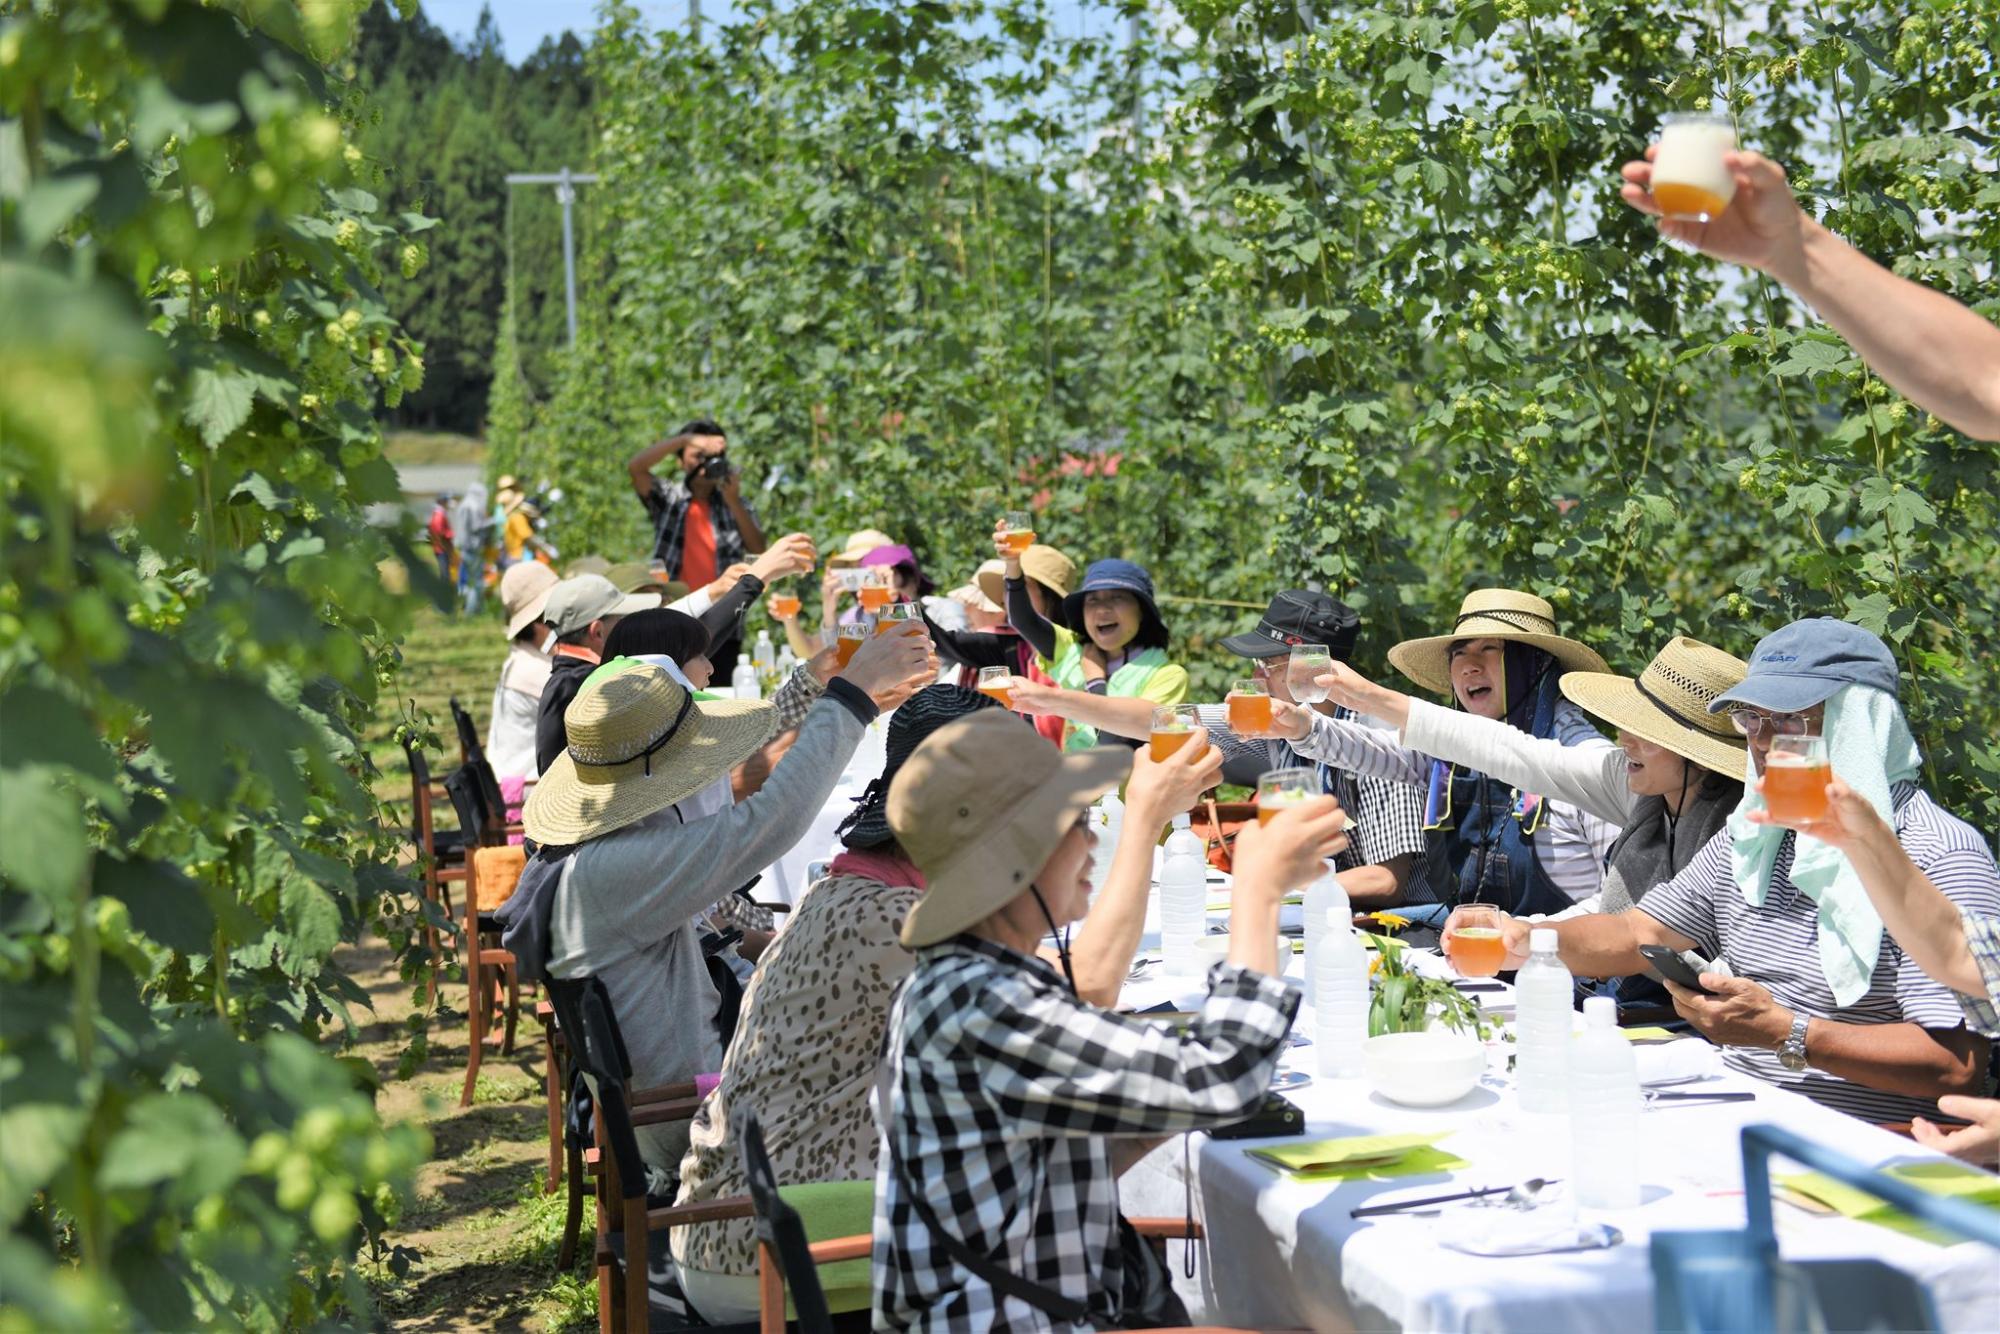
(1670, 965)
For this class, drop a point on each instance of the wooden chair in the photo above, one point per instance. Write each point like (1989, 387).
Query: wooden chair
(468, 735)
(490, 975)
(440, 853)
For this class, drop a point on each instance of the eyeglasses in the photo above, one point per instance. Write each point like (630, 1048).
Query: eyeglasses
(1752, 722)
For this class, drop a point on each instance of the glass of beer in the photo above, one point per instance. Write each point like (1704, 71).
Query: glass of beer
(1475, 947)
(994, 684)
(1281, 789)
(899, 617)
(1249, 702)
(1302, 673)
(784, 606)
(878, 588)
(1689, 180)
(852, 636)
(1172, 726)
(1017, 531)
(1796, 772)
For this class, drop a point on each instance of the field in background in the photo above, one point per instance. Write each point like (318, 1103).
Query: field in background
(425, 448)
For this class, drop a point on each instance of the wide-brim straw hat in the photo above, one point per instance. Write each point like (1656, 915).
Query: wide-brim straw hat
(1492, 613)
(638, 743)
(858, 545)
(979, 807)
(1668, 703)
(524, 592)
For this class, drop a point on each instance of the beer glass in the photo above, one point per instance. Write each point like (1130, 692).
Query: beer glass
(1281, 789)
(878, 588)
(851, 637)
(1017, 531)
(1249, 703)
(1172, 726)
(1475, 947)
(1796, 772)
(784, 606)
(993, 683)
(899, 617)
(1689, 180)
(1302, 673)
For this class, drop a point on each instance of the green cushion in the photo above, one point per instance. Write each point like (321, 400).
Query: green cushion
(831, 1209)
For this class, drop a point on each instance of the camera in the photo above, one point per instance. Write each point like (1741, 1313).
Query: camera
(714, 468)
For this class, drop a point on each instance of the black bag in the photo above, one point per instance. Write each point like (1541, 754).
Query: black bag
(1275, 1117)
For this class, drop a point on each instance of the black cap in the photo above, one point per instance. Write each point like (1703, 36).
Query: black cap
(1300, 616)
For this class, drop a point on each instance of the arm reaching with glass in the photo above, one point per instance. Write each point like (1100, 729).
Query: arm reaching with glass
(1939, 354)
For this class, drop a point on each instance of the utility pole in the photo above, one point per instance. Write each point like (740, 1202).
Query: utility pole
(1137, 41)
(565, 182)
(694, 19)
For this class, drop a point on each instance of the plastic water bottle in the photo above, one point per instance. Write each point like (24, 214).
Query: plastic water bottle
(1604, 1106)
(788, 663)
(1542, 1015)
(1324, 897)
(743, 680)
(1340, 981)
(1183, 899)
(1111, 816)
(765, 659)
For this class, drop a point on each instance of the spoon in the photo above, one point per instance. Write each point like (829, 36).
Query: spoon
(1518, 1197)
(1522, 1197)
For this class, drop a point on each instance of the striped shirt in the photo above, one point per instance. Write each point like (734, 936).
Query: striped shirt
(1776, 946)
(1571, 844)
(1982, 938)
(1388, 816)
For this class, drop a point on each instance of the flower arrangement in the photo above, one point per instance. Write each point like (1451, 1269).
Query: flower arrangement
(1403, 1001)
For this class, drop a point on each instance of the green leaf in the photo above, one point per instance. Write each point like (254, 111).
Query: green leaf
(50, 204)
(43, 847)
(312, 917)
(37, 1140)
(179, 1137)
(218, 402)
(40, 726)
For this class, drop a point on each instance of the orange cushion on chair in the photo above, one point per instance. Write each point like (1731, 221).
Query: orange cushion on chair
(495, 872)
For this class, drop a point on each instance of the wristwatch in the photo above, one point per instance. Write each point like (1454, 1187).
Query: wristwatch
(1792, 1051)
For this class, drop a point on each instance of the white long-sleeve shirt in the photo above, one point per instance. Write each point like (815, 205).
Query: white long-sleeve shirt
(517, 699)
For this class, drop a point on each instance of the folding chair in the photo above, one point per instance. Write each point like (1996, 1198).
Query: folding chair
(440, 853)
(468, 735)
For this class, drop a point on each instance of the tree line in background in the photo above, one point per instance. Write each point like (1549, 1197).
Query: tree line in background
(443, 124)
(1301, 292)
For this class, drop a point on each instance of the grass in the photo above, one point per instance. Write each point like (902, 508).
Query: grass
(485, 1231)
(422, 447)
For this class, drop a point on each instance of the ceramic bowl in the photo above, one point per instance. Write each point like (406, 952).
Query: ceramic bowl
(1424, 1069)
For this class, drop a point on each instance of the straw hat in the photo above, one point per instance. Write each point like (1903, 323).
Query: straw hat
(979, 807)
(524, 591)
(858, 545)
(638, 743)
(988, 580)
(1492, 613)
(1668, 704)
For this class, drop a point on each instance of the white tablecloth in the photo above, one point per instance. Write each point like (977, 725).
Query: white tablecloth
(1285, 1254)
(786, 880)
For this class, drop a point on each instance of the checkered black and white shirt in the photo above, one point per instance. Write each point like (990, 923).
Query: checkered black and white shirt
(1001, 1089)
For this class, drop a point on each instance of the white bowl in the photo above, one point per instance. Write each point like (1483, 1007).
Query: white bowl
(1424, 1069)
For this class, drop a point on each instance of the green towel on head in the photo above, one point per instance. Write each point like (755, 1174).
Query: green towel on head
(1870, 748)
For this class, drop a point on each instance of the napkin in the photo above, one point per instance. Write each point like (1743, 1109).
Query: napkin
(1358, 1157)
(1498, 1231)
(1690, 1058)
(1645, 1035)
(1955, 1180)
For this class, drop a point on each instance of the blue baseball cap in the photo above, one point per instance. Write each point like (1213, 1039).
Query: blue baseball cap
(1804, 663)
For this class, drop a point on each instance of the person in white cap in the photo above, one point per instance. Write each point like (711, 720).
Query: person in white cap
(517, 696)
(581, 613)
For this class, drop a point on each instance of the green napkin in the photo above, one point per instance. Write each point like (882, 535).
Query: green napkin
(1939, 1178)
(1644, 1035)
(1222, 905)
(1361, 1157)
(831, 1209)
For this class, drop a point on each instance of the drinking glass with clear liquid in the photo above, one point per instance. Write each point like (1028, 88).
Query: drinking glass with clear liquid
(1475, 947)
(1249, 704)
(1690, 181)
(1017, 531)
(1308, 663)
(995, 684)
(877, 589)
(1173, 726)
(1796, 772)
(1279, 790)
(851, 638)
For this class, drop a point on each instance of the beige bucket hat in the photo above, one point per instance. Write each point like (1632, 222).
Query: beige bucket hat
(638, 743)
(1668, 703)
(1043, 564)
(524, 592)
(858, 545)
(587, 565)
(1492, 613)
(979, 806)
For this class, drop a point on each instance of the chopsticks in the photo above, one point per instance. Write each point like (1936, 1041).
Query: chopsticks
(1403, 1206)
(1665, 1095)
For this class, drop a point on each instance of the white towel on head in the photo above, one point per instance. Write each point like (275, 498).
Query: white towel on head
(1871, 749)
(717, 797)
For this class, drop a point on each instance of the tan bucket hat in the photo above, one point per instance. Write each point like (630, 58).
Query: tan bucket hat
(587, 565)
(1492, 613)
(979, 806)
(1043, 564)
(988, 590)
(1668, 703)
(638, 743)
(524, 591)
(858, 545)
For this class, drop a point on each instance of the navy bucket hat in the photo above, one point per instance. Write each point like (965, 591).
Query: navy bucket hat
(1120, 576)
(1804, 663)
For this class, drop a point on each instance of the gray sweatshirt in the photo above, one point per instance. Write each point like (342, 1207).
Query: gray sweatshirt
(626, 909)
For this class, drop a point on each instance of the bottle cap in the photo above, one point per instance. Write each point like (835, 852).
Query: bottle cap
(1542, 940)
(1600, 1012)
(1183, 821)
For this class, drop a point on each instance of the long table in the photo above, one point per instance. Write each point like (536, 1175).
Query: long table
(1280, 1253)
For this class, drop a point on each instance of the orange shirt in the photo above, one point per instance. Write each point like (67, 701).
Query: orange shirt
(698, 546)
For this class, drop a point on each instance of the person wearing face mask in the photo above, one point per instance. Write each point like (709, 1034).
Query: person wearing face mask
(1804, 987)
(1487, 840)
(1001, 1087)
(702, 525)
(1111, 642)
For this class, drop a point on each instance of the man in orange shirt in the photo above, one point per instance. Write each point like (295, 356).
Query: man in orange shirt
(696, 537)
